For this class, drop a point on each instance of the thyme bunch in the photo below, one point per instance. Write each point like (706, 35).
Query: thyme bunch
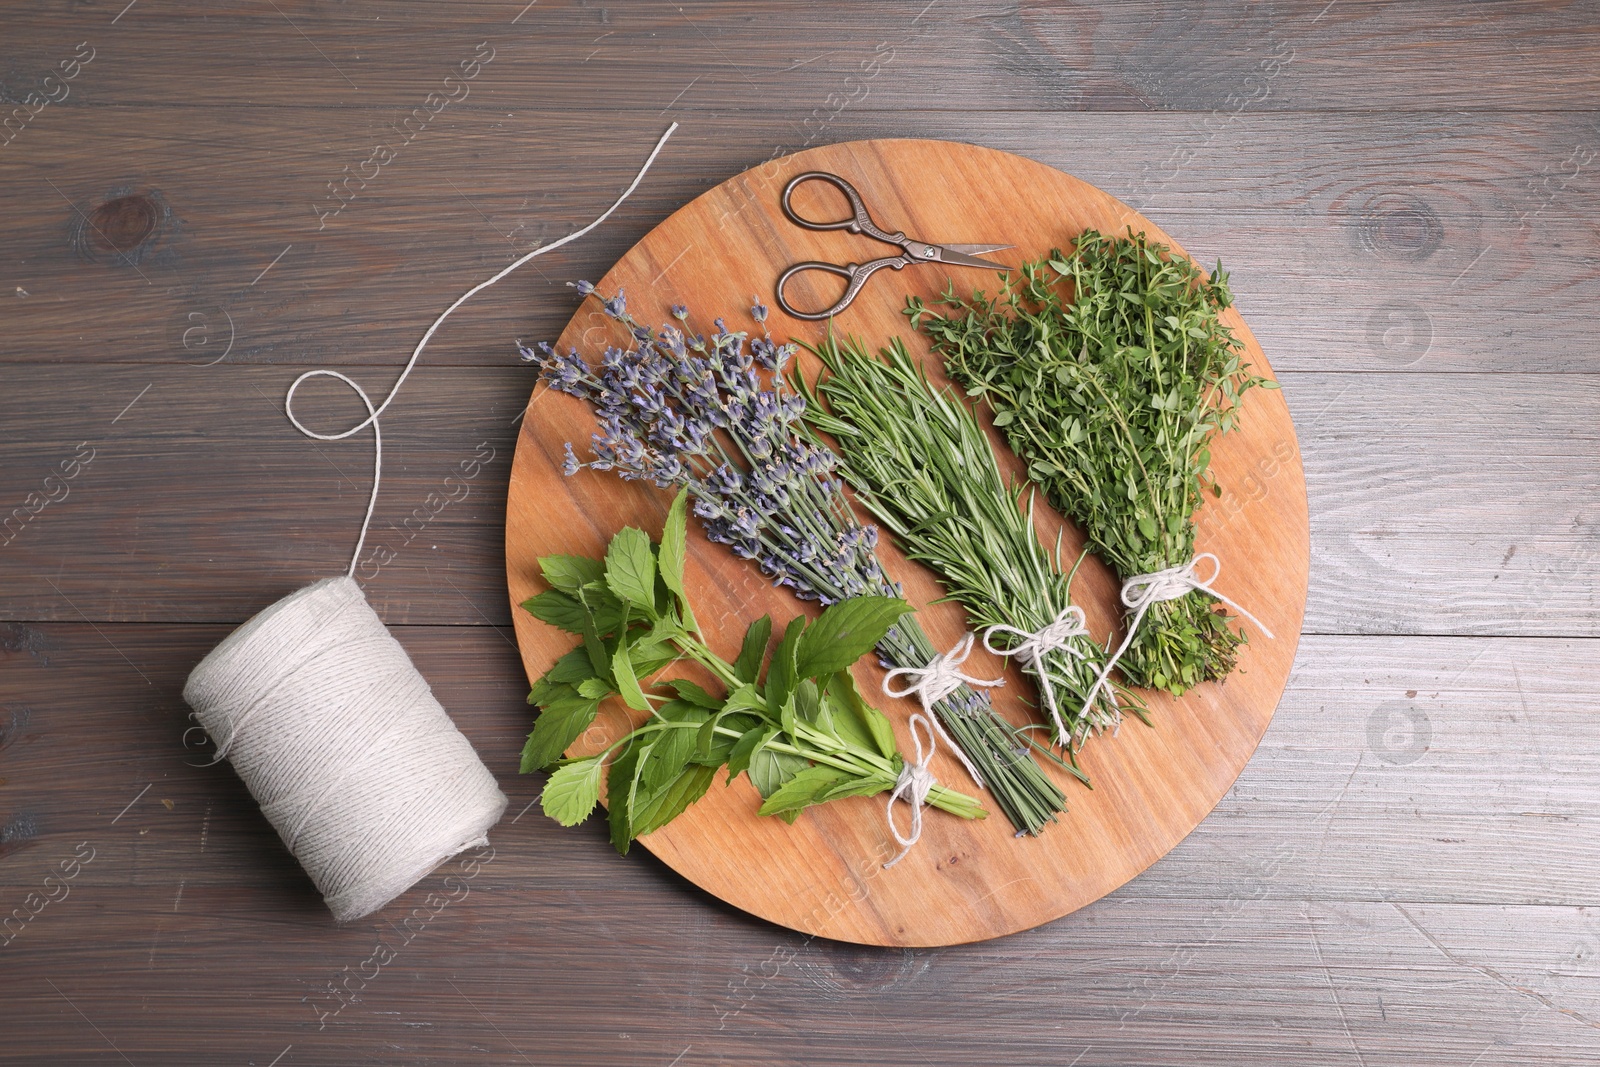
(1110, 397)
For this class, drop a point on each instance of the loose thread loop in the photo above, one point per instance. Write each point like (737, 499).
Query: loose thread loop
(1057, 636)
(916, 781)
(932, 683)
(1143, 590)
(374, 412)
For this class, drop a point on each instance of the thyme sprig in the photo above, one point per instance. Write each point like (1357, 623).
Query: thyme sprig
(1110, 397)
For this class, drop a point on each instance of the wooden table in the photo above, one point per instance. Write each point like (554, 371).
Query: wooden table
(193, 212)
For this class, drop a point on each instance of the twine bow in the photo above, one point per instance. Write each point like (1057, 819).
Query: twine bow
(913, 787)
(1056, 636)
(931, 684)
(1143, 590)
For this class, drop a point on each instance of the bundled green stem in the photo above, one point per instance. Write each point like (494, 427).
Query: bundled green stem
(920, 462)
(801, 732)
(1110, 398)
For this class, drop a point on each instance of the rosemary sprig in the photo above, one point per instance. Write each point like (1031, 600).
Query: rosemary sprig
(918, 460)
(1111, 398)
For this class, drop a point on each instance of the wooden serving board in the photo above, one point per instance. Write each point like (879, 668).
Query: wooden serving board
(965, 881)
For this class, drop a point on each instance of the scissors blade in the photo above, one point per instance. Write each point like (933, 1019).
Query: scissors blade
(953, 255)
(976, 250)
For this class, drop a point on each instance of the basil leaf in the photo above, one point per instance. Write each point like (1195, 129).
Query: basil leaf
(748, 666)
(572, 791)
(631, 569)
(846, 631)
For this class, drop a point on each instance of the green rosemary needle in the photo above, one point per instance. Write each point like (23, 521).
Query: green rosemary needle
(919, 461)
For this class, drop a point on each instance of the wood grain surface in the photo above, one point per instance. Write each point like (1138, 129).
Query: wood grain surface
(1406, 199)
(966, 880)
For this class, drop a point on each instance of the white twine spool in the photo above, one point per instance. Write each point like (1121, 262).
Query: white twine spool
(326, 720)
(343, 745)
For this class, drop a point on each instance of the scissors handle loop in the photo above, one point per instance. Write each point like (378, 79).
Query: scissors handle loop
(855, 275)
(859, 222)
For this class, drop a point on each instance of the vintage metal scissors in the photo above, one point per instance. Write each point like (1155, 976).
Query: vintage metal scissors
(856, 274)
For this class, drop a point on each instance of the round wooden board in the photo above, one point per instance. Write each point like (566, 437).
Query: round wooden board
(965, 881)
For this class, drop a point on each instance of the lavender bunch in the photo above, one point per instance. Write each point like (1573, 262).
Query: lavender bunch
(714, 415)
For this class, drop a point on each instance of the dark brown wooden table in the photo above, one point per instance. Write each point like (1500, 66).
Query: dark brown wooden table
(192, 211)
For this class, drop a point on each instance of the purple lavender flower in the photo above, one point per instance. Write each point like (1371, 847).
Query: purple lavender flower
(715, 414)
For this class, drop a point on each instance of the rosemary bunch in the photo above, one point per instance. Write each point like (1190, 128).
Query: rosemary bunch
(920, 463)
(713, 415)
(1111, 398)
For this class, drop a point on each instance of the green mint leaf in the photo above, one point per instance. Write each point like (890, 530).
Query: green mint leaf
(781, 675)
(856, 787)
(801, 791)
(547, 692)
(627, 683)
(746, 698)
(572, 791)
(674, 536)
(769, 770)
(673, 749)
(807, 701)
(713, 748)
(846, 631)
(570, 573)
(654, 809)
(570, 669)
(786, 716)
(866, 718)
(599, 655)
(631, 569)
(687, 690)
(744, 748)
(619, 789)
(558, 725)
(748, 666)
(558, 609)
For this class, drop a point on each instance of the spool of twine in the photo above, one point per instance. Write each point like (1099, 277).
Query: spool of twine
(326, 720)
(341, 742)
